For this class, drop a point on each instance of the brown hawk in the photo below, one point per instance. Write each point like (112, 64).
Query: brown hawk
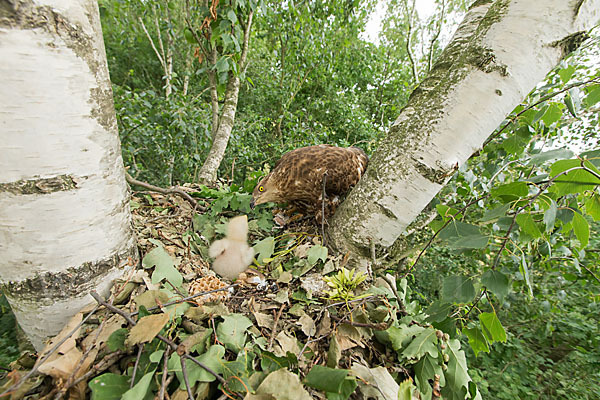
(298, 177)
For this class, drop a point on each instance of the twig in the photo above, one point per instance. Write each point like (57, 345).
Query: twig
(275, 326)
(543, 99)
(35, 368)
(481, 294)
(185, 378)
(430, 241)
(135, 366)
(69, 382)
(186, 299)
(533, 198)
(168, 341)
(591, 273)
(174, 190)
(163, 381)
(106, 362)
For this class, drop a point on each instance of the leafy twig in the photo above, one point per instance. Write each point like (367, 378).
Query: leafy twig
(168, 341)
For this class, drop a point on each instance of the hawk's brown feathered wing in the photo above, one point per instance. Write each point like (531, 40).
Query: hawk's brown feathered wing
(298, 175)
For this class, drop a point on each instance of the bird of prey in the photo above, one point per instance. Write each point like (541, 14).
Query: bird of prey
(232, 254)
(298, 176)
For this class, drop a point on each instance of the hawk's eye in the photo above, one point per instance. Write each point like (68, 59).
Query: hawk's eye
(261, 189)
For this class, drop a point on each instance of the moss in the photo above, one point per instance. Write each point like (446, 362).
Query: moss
(571, 43)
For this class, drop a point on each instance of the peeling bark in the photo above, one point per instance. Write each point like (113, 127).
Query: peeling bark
(501, 50)
(65, 226)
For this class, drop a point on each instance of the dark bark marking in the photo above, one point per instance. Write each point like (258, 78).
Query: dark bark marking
(60, 183)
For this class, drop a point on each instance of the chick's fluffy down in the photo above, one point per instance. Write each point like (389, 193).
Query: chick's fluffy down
(232, 257)
(232, 254)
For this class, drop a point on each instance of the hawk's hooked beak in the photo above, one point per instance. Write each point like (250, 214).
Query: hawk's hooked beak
(252, 204)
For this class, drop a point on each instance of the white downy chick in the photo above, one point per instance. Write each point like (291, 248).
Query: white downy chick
(232, 254)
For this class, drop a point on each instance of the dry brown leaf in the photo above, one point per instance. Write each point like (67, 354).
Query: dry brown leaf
(264, 320)
(287, 343)
(147, 328)
(307, 325)
(73, 322)
(63, 365)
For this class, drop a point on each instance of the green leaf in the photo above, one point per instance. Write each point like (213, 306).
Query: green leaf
(315, 253)
(189, 36)
(109, 386)
(116, 341)
(495, 213)
(514, 145)
(457, 376)
(477, 341)
(550, 215)
(592, 156)
(425, 370)
(264, 249)
(460, 235)
(348, 387)
(140, 389)
(510, 191)
(593, 95)
(222, 65)
(524, 269)
(570, 106)
(232, 331)
(592, 206)
(164, 266)
(458, 289)
(326, 379)
(566, 73)
(576, 181)
(556, 154)
(492, 328)
(269, 362)
(231, 16)
(552, 114)
(405, 390)
(496, 282)
(581, 229)
(438, 311)
(528, 225)
(213, 359)
(425, 342)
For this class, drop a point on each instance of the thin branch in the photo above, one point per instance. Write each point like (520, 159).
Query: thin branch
(185, 378)
(168, 341)
(188, 298)
(245, 46)
(410, 12)
(275, 327)
(543, 99)
(163, 381)
(591, 273)
(174, 190)
(35, 368)
(436, 36)
(162, 62)
(530, 202)
(135, 366)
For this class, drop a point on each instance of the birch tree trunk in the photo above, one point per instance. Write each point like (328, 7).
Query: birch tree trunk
(65, 224)
(499, 53)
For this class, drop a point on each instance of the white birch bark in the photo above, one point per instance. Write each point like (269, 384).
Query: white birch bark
(65, 225)
(499, 53)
